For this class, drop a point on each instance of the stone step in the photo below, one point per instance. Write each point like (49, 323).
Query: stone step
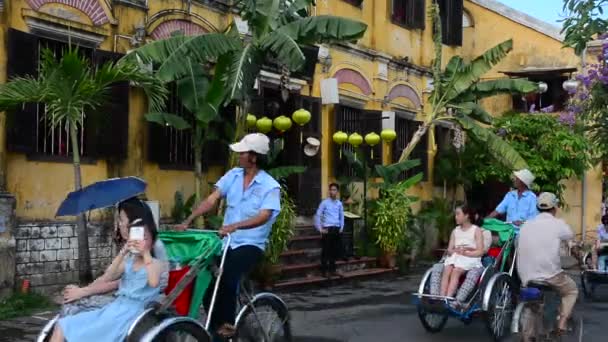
(305, 231)
(300, 256)
(311, 269)
(318, 280)
(305, 242)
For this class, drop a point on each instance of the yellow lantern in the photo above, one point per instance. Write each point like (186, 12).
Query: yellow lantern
(264, 125)
(282, 123)
(340, 138)
(355, 140)
(251, 121)
(301, 117)
(372, 139)
(388, 135)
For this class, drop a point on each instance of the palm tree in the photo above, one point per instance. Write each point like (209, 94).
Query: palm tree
(278, 29)
(68, 87)
(456, 93)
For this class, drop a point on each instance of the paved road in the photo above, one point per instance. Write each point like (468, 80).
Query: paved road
(382, 311)
(369, 311)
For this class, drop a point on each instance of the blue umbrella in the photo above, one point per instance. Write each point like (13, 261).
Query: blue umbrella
(101, 195)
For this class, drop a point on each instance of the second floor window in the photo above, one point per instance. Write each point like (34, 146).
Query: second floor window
(409, 13)
(451, 12)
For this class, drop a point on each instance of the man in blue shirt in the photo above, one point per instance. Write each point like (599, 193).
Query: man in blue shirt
(329, 221)
(520, 204)
(252, 205)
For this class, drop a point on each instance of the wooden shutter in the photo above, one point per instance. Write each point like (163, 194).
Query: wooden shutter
(451, 12)
(415, 14)
(22, 122)
(309, 183)
(405, 129)
(109, 137)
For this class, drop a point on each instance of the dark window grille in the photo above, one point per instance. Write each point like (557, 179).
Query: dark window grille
(406, 128)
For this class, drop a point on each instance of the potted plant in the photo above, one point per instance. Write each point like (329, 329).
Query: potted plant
(267, 272)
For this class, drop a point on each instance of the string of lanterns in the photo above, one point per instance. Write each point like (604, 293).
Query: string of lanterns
(372, 139)
(281, 123)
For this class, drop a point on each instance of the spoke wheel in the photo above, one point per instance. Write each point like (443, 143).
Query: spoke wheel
(501, 308)
(586, 285)
(264, 320)
(183, 332)
(433, 321)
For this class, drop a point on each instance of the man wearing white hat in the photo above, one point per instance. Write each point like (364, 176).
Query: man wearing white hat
(538, 257)
(518, 204)
(252, 206)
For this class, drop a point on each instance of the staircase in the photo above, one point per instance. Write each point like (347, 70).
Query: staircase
(300, 264)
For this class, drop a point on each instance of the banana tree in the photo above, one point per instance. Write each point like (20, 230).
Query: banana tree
(68, 87)
(277, 29)
(456, 93)
(191, 91)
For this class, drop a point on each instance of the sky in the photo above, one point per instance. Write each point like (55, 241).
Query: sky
(546, 10)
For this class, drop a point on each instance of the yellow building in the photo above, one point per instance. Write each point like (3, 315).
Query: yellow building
(383, 81)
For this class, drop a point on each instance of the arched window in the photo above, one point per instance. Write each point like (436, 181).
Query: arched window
(467, 19)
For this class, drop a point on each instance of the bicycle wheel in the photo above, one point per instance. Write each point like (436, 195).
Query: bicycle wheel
(587, 285)
(433, 316)
(182, 332)
(501, 306)
(265, 319)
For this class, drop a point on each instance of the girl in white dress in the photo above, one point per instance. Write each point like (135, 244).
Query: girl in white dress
(465, 250)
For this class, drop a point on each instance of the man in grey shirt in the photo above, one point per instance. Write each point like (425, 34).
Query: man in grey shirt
(538, 257)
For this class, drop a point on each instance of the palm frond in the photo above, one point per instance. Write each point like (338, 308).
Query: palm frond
(285, 48)
(390, 173)
(324, 28)
(489, 88)
(168, 119)
(470, 73)
(242, 71)
(169, 53)
(474, 111)
(20, 90)
(497, 147)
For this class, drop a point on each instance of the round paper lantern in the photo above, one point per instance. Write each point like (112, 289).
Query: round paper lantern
(372, 139)
(340, 137)
(251, 121)
(264, 125)
(301, 117)
(282, 123)
(388, 135)
(355, 140)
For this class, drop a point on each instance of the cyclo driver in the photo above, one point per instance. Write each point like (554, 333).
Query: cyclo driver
(538, 257)
(252, 205)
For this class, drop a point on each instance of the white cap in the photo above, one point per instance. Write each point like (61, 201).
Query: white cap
(546, 201)
(525, 176)
(254, 142)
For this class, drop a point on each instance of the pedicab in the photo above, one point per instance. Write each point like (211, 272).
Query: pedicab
(591, 276)
(263, 317)
(493, 298)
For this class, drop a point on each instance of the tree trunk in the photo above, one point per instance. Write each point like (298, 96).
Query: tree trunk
(84, 260)
(415, 140)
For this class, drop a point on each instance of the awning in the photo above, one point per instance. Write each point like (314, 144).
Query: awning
(538, 71)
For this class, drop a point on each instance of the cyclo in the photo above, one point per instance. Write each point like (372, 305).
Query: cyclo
(493, 298)
(591, 276)
(263, 317)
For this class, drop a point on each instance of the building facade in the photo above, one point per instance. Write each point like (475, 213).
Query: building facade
(383, 81)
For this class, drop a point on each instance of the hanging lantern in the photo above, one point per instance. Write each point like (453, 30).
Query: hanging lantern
(264, 125)
(355, 140)
(388, 135)
(301, 117)
(372, 139)
(251, 121)
(282, 123)
(570, 85)
(340, 138)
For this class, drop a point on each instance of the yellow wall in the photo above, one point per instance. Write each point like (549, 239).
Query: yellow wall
(38, 196)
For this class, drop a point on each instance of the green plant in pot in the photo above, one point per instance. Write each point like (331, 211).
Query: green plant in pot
(391, 213)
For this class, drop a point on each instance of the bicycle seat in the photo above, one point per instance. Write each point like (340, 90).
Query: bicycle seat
(540, 285)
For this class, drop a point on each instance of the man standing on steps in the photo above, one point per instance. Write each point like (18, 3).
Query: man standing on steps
(329, 221)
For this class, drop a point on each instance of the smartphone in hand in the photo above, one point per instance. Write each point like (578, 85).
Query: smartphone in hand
(136, 233)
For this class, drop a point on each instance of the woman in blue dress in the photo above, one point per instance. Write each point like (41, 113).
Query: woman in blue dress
(139, 273)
